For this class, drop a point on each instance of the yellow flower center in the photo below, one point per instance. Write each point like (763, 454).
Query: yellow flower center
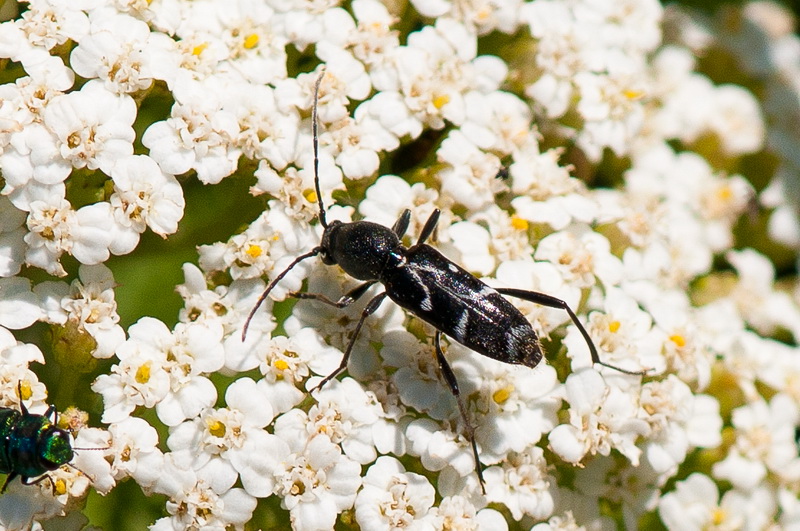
(143, 373)
(216, 428)
(519, 223)
(251, 41)
(501, 395)
(441, 101)
(200, 48)
(254, 251)
(678, 339)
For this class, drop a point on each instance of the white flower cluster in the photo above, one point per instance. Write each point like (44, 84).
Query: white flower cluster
(503, 145)
(763, 45)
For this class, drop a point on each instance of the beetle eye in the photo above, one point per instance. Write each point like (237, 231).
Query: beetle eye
(327, 259)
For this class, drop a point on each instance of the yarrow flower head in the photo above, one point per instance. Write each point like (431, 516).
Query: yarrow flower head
(174, 175)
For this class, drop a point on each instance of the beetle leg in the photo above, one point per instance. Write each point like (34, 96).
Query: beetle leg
(9, 478)
(22, 402)
(27, 481)
(427, 230)
(372, 305)
(344, 301)
(313, 252)
(401, 225)
(452, 383)
(553, 302)
(51, 412)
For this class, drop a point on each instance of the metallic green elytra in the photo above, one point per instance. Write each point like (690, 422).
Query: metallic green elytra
(31, 445)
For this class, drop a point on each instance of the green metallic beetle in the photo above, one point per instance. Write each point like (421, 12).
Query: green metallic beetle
(31, 445)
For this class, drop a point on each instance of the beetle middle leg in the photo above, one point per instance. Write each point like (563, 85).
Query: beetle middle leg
(371, 307)
(344, 301)
(452, 383)
(553, 302)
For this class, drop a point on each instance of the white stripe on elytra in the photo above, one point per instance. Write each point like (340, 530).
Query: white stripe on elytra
(426, 303)
(460, 330)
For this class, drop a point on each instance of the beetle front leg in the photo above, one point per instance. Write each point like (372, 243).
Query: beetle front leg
(371, 307)
(452, 383)
(553, 302)
(22, 402)
(344, 301)
(428, 228)
(401, 225)
(312, 253)
(29, 481)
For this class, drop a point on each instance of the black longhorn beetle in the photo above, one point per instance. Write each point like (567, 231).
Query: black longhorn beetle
(421, 280)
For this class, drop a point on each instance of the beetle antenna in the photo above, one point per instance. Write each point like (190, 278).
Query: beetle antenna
(79, 448)
(315, 134)
(313, 252)
(316, 250)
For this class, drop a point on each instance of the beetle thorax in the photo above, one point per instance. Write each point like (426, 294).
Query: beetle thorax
(361, 248)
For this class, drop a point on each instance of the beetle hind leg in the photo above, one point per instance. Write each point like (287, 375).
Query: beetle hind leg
(553, 302)
(452, 384)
